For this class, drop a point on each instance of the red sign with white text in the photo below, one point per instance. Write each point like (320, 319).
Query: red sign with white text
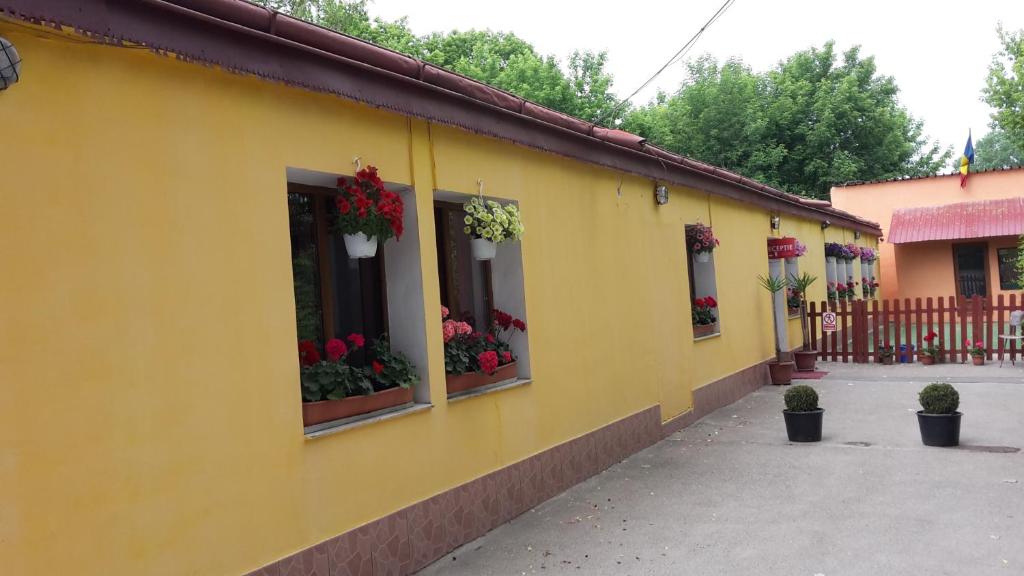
(781, 248)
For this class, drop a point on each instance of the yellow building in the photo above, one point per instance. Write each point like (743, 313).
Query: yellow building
(156, 155)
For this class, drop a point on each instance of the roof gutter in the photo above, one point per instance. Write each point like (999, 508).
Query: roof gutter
(249, 39)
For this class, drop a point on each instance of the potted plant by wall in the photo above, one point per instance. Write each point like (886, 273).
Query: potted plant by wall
(705, 319)
(489, 224)
(887, 354)
(473, 359)
(368, 213)
(939, 420)
(333, 389)
(807, 355)
(780, 370)
(929, 352)
(702, 241)
(802, 414)
(832, 292)
(977, 352)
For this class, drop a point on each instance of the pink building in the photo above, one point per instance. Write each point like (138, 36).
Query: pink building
(941, 239)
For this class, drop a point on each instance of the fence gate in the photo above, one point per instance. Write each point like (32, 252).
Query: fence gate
(864, 327)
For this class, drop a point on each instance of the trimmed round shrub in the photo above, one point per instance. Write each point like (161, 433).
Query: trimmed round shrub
(939, 398)
(801, 398)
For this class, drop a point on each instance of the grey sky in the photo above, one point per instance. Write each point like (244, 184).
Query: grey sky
(937, 51)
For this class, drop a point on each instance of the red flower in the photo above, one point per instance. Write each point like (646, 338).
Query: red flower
(712, 303)
(488, 361)
(377, 367)
(490, 338)
(519, 325)
(308, 354)
(502, 319)
(506, 357)
(931, 336)
(356, 340)
(700, 303)
(344, 206)
(335, 349)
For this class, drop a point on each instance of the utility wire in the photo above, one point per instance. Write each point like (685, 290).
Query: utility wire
(675, 57)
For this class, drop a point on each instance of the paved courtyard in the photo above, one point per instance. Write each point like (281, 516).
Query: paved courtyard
(731, 496)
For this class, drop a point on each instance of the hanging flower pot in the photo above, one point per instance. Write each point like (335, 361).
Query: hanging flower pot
(703, 257)
(489, 223)
(359, 246)
(483, 249)
(368, 213)
(701, 241)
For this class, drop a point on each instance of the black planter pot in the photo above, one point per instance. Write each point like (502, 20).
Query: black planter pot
(804, 426)
(939, 429)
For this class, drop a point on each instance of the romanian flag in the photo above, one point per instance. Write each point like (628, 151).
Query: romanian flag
(966, 160)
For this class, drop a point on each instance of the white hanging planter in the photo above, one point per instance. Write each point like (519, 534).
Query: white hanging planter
(359, 246)
(830, 259)
(703, 257)
(483, 249)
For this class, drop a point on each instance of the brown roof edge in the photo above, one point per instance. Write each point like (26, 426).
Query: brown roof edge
(236, 36)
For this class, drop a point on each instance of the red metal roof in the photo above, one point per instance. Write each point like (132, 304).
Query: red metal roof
(983, 219)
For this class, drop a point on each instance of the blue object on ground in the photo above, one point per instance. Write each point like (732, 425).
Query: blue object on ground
(904, 357)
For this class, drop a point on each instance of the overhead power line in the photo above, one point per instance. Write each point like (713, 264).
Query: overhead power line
(679, 55)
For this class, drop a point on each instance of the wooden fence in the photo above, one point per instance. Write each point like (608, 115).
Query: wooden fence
(865, 326)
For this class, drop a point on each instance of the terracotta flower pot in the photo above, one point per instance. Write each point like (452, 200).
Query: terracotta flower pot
(702, 330)
(781, 372)
(462, 382)
(978, 360)
(805, 360)
(328, 410)
(925, 359)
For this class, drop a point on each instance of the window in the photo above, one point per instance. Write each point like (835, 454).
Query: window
(703, 287)
(1009, 279)
(466, 288)
(334, 295)
(472, 289)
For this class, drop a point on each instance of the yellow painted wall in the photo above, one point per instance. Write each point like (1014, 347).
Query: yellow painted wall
(151, 419)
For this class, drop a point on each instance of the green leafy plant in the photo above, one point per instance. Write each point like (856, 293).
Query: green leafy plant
(703, 311)
(801, 284)
(774, 284)
(939, 398)
(390, 369)
(975, 349)
(332, 378)
(492, 221)
(930, 348)
(801, 398)
(887, 351)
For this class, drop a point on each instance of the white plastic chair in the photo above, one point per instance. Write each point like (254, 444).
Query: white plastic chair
(1015, 335)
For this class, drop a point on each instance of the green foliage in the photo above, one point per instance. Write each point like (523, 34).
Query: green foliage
(939, 398)
(801, 398)
(333, 381)
(802, 283)
(772, 284)
(500, 59)
(887, 351)
(815, 120)
(307, 303)
(394, 368)
(1004, 87)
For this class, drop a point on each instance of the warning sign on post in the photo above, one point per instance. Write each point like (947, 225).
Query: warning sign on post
(828, 322)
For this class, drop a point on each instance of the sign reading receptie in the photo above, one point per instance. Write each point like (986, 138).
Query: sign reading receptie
(781, 248)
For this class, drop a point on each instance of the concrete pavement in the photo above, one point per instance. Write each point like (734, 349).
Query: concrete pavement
(731, 496)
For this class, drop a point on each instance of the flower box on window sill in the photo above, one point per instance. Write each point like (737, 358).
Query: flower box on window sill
(704, 330)
(328, 410)
(462, 382)
(793, 312)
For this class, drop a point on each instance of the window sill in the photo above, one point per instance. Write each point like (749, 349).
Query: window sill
(328, 428)
(496, 387)
(708, 337)
(794, 316)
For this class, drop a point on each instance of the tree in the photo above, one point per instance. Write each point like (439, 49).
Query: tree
(813, 121)
(1004, 87)
(500, 59)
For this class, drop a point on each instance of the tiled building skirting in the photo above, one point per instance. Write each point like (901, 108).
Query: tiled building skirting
(410, 539)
